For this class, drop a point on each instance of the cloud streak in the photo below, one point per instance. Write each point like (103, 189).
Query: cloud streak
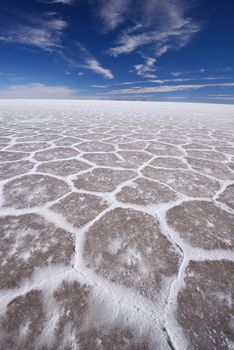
(163, 25)
(165, 88)
(37, 91)
(44, 32)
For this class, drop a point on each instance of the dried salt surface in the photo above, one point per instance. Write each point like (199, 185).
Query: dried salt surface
(227, 197)
(117, 225)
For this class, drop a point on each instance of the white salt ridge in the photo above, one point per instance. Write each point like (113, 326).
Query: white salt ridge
(111, 304)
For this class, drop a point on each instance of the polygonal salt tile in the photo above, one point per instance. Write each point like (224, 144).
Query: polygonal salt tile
(163, 149)
(196, 145)
(2, 146)
(168, 162)
(231, 165)
(145, 136)
(185, 181)
(227, 197)
(144, 191)
(204, 305)
(93, 136)
(8, 170)
(106, 159)
(118, 139)
(228, 150)
(6, 156)
(127, 247)
(63, 167)
(23, 321)
(95, 146)
(136, 158)
(79, 208)
(42, 138)
(102, 179)
(33, 190)
(67, 141)
(56, 153)
(5, 140)
(115, 339)
(135, 145)
(29, 242)
(215, 169)
(202, 224)
(173, 141)
(29, 146)
(71, 299)
(213, 155)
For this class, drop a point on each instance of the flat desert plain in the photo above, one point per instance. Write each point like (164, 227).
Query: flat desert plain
(116, 225)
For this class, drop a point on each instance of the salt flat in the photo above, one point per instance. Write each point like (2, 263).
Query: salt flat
(117, 225)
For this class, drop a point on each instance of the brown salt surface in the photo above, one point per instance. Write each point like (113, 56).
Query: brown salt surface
(231, 165)
(144, 191)
(210, 155)
(204, 305)
(172, 140)
(203, 225)
(23, 322)
(196, 145)
(103, 179)
(93, 136)
(8, 170)
(163, 149)
(5, 140)
(67, 141)
(215, 169)
(184, 181)
(33, 190)
(106, 159)
(29, 242)
(228, 150)
(114, 339)
(136, 158)
(29, 146)
(146, 136)
(6, 156)
(118, 139)
(127, 247)
(63, 167)
(72, 303)
(135, 145)
(56, 153)
(79, 208)
(95, 146)
(168, 162)
(227, 197)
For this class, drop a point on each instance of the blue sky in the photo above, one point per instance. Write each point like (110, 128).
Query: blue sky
(170, 50)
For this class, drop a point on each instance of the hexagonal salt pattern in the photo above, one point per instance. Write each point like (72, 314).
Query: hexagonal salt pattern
(116, 225)
(33, 190)
(205, 308)
(27, 243)
(127, 247)
(203, 224)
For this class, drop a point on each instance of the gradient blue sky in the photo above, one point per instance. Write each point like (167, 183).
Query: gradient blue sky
(170, 50)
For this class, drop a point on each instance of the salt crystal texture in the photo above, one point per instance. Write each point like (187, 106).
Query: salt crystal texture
(116, 223)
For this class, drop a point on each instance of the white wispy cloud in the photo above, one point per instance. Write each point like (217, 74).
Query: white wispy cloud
(64, 2)
(90, 63)
(165, 88)
(37, 91)
(95, 66)
(164, 25)
(147, 69)
(44, 32)
(113, 13)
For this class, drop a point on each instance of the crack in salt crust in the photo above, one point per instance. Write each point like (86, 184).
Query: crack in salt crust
(117, 224)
